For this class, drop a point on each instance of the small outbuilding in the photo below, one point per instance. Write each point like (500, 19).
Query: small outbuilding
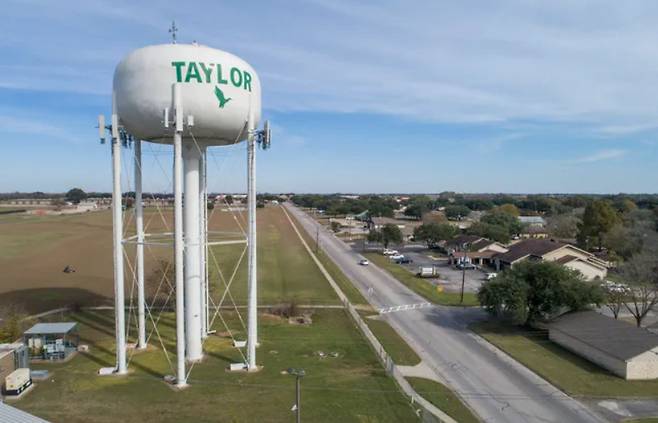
(52, 341)
(622, 348)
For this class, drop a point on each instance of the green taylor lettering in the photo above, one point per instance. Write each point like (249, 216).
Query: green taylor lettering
(220, 80)
(179, 72)
(198, 72)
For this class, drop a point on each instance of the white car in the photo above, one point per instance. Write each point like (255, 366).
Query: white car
(388, 252)
(396, 256)
(364, 262)
(490, 276)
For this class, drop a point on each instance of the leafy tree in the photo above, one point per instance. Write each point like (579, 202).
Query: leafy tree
(508, 208)
(457, 212)
(509, 222)
(479, 204)
(563, 226)
(622, 241)
(335, 226)
(641, 275)
(76, 195)
(532, 291)
(418, 207)
(493, 232)
(598, 219)
(391, 234)
(375, 236)
(432, 233)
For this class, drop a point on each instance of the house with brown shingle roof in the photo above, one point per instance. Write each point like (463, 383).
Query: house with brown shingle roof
(549, 250)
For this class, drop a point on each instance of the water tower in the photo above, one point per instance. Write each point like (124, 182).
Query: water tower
(193, 97)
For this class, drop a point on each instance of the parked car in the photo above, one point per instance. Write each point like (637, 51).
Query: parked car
(467, 266)
(388, 252)
(364, 262)
(490, 276)
(404, 260)
(396, 257)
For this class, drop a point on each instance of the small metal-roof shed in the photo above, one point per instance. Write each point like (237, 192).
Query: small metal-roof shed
(51, 328)
(14, 415)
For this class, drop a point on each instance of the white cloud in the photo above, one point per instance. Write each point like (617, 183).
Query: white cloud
(437, 61)
(600, 156)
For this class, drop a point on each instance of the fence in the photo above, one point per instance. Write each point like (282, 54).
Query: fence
(427, 411)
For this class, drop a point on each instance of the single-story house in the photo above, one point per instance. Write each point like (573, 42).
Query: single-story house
(549, 250)
(534, 232)
(52, 341)
(480, 252)
(622, 348)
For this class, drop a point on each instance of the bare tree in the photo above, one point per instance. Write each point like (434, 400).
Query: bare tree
(640, 272)
(615, 299)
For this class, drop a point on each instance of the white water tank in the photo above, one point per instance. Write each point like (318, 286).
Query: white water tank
(217, 88)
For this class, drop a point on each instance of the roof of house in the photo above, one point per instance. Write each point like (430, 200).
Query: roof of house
(613, 337)
(566, 259)
(529, 247)
(482, 243)
(14, 415)
(464, 239)
(51, 328)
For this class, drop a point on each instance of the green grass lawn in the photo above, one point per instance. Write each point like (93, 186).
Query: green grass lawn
(286, 272)
(562, 368)
(443, 398)
(421, 286)
(401, 353)
(348, 288)
(350, 388)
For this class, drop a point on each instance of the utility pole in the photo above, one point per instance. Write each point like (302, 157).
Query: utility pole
(317, 238)
(461, 301)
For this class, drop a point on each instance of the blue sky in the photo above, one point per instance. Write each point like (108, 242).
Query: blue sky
(367, 96)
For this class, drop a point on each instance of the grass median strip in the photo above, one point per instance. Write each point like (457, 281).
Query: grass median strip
(569, 372)
(348, 288)
(421, 286)
(396, 347)
(442, 397)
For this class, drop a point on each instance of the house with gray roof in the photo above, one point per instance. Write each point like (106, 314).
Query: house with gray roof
(621, 348)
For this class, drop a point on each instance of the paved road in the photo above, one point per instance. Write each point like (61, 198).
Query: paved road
(496, 387)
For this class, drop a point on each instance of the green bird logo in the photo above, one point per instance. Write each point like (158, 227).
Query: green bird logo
(220, 97)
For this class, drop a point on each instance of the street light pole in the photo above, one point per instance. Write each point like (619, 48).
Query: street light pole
(299, 374)
(298, 398)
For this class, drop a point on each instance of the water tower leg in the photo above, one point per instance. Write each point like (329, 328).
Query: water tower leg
(191, 159)
(117, 220)
(252, 323)
(203, 220)
(178, 241)
(139, 227)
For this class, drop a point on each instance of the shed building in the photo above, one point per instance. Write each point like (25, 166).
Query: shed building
(14, 415)
(623, 349)
(52, 341)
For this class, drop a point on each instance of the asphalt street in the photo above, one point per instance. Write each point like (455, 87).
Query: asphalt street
(496, 387)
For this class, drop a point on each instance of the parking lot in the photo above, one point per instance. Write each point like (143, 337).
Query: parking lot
(449, 277)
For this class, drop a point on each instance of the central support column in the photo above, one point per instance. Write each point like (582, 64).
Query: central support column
(192, 226)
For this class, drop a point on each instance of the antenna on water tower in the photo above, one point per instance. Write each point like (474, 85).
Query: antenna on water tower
(173, 30)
